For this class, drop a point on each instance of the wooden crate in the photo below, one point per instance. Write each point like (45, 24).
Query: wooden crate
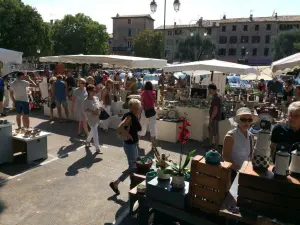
(267, 195)
(209, 184)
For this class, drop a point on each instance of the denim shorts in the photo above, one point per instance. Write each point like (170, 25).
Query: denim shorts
(22, 107)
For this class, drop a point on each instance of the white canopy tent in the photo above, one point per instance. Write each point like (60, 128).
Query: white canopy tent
(286, 64)
(265, 74)
(114, 60)
(9, 56)
(213, 65)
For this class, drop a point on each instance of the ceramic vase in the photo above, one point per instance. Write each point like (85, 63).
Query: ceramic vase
(178, 182)
(161, 175)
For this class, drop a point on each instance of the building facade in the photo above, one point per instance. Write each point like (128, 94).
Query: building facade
(248, 40)
(125, 29)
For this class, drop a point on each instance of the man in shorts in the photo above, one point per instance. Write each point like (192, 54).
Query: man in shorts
(19, 96)
(214, 115)
(60, 90)
(1, 96)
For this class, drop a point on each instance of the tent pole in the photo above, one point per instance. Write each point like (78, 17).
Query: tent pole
(212, 76)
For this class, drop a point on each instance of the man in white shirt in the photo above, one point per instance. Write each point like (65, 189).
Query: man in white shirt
(19, 96)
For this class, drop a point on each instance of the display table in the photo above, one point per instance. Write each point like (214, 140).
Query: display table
(6, 153)
(167, 131)
(35, 147)
(196, 116)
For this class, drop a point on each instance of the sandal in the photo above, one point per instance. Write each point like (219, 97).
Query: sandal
(98, 151)
(112, 186)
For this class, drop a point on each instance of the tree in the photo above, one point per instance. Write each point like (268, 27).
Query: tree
(195, 48)
(286, 44)
(79, 34)
(149, 44)
(23, 29)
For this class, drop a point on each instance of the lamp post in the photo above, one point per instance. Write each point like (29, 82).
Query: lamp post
(153, 8)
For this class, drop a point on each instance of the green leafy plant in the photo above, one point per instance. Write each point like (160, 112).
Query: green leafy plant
(179, 170)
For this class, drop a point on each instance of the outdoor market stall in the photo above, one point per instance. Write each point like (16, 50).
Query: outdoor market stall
(286, 64)
(197, 105)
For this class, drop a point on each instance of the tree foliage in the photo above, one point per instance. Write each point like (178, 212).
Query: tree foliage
(149, 44)
(79, 34)
(286, 44)
(22, 29)
(195, 48)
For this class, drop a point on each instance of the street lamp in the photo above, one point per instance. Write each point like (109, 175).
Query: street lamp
(153, 8)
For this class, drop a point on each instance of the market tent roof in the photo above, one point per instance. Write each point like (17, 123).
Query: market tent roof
(10, 56)
(286, 64)
(197, 73)
(212, 65)
(265, 73)
(115, 60)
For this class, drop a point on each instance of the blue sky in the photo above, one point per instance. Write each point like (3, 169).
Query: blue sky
(103, 10)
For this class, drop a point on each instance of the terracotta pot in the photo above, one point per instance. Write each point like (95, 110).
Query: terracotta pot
(161, 175)
(178, 181)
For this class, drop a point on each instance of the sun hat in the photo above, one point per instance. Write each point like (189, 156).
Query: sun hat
(245, 111)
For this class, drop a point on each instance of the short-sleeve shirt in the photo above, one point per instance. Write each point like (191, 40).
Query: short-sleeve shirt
(216, 101)
(71, 82)
(19, 87)
(283, 134)
(135, 127)
(80, 95)
(148, 99)
(287, 94)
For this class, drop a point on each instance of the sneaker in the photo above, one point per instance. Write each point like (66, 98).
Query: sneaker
(115, 189)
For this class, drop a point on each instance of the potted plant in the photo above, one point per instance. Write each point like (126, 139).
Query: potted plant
(178, 171)
(161, 164)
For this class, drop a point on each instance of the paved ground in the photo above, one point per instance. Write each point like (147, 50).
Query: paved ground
(71, 186)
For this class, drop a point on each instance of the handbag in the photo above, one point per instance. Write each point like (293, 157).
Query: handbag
(103, 115)
(149, 112)
(122, 136)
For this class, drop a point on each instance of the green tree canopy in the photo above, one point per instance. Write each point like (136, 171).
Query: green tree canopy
(149, 44)
(79, 34)
(22, 29)
(286, 44)
(195, 48)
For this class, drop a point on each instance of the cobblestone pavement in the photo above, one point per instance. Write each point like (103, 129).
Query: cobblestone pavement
(71, 186)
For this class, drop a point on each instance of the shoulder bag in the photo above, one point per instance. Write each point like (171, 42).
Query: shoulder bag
(121, 135)
(149, 112)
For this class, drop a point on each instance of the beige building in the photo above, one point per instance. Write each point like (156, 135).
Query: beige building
(125, 29)
(240, 39)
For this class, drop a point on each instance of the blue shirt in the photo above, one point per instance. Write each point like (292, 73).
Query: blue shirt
(60, 91)
(1, 83)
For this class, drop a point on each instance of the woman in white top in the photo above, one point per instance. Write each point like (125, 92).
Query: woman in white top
(238, 143)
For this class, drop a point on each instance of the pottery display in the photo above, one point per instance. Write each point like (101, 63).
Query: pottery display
(178, 181)
(212, 157)
(262, 152)
(282, 163)
(295, 162)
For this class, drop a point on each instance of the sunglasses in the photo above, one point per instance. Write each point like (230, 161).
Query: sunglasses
(82, 83)
(245, 120)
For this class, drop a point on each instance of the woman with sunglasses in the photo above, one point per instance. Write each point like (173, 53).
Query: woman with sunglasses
(238, 143)
(92, 107)
(79, 95)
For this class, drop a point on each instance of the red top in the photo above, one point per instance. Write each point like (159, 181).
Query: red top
(148, 99)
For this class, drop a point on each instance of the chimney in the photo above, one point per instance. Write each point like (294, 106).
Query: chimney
(174, 24)
(117, 15)
(251, 17)
(224, 17)
(276, 16)
(200, 22)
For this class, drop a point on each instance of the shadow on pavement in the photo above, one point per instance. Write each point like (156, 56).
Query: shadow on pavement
(2, 203)
(124, 210)
(65, 150)
(86, 162)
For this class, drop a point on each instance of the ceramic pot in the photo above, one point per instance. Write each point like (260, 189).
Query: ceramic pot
(161, 175)
(178, 181)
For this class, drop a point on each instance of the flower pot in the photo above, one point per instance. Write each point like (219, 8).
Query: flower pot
(161, 175)
(178, 181)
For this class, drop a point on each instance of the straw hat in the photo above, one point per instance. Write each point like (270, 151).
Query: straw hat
(245, 111)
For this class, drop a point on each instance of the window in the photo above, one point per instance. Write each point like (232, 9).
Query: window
(267, 39)
(254, 51)
(129, 32)
(222, 52)
(266, 52)
(233, 40)
(244, 39)
(232, 52)
(255, 39)
(256, 27)
(177, 42)
(243, 51)
(223, 28)
(233, 27)
(223, 40)
(269, 26)
(129, 21)
(208, 30)
(245, 27)
(129, 44)
(178, 32)
(169, 32)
